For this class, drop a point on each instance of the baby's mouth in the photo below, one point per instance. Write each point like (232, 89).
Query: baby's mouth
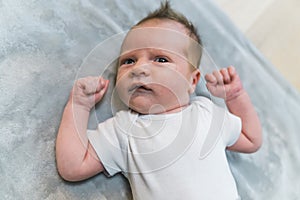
(140, 88)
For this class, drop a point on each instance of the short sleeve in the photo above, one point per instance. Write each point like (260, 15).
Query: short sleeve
(232, 128)
(109, 146)
(223, 124)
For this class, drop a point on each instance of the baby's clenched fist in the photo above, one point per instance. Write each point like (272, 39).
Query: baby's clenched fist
(224, 83)
(88, 91)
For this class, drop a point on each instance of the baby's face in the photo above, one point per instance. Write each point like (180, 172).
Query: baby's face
(154, 74)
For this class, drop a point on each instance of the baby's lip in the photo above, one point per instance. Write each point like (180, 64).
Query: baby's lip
(137, 86)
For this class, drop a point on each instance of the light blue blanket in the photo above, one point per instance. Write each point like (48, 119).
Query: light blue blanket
(44, 43)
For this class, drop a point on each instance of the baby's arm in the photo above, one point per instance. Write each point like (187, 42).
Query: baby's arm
(76, 158)
(226, 84)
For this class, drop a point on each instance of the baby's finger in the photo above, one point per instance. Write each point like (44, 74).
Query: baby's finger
(90, 85)
(100, 93)
(218, 76)
(211, 79)
(232, 72)
(225, 74)
(101, 84)
(234, 75)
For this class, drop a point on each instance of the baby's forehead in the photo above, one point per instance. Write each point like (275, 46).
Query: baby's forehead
(156, 38)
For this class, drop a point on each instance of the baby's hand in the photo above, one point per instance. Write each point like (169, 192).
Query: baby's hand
(225, 83)
(88, 91)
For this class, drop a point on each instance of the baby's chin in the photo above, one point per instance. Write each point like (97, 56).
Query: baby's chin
(146, 105)
(157, 109)
(146, 110)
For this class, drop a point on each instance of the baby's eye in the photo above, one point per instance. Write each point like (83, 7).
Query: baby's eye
(161, 59)
(128, 61)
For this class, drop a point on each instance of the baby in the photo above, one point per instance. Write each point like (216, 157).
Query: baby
(166, 144)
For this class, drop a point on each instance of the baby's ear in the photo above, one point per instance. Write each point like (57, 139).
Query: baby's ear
(195, 77)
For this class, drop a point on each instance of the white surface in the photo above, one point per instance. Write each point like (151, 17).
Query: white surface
(274, 27)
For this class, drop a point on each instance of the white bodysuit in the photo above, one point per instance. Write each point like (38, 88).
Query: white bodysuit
(171, 156)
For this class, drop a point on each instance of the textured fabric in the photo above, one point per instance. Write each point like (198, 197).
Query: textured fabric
(160, 154)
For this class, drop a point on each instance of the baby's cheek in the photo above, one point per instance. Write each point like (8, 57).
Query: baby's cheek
(120, 74)
(120, 93)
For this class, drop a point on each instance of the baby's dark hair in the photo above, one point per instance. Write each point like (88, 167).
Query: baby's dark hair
(166, 12)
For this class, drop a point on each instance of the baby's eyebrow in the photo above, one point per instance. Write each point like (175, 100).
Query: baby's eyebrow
(126, 54)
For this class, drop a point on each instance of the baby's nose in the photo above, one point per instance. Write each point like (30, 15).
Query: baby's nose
(140, 70)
